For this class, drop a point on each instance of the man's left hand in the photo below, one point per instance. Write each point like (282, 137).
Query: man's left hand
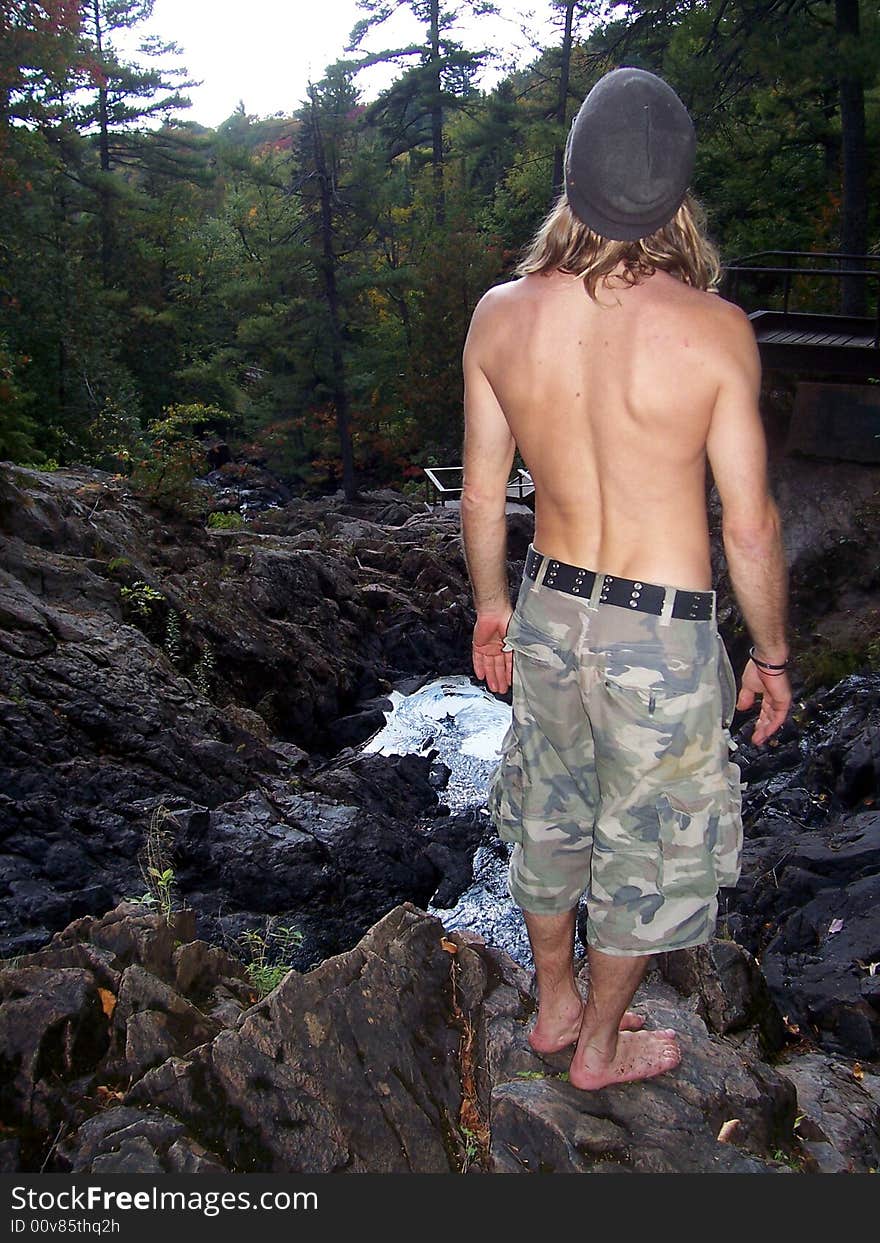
(490, 661)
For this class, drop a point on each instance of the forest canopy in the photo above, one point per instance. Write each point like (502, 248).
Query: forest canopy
(302, 284)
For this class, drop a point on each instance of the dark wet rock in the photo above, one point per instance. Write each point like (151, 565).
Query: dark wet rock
(812, 855)
(130, 934)
(839, 1113)
(310, 614)
(397, 1055)
(330, 867)
(451, 847)
(832, 541)
(69, 1033)
(732, 994)
(825, 971)
(315, 1084)
(520, 533)
(202, 969)
(104, 718)
(241, 487)
(10, 1155)
(53, 1029)
(380, 782)
(151, 1022)
(135, 1141)
(350, 731)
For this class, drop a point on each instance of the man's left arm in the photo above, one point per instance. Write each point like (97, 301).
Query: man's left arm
(488, 456)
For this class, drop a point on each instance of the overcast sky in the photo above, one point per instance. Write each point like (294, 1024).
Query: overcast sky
(264, 52)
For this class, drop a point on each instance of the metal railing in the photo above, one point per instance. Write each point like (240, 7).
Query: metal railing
(518, 488)
(748, 266)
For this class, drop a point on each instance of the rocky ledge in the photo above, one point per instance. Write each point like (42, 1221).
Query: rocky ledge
(159, 677)
(127, 1046)
(206, 691)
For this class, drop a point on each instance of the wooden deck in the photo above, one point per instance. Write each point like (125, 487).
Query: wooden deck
(802, 342)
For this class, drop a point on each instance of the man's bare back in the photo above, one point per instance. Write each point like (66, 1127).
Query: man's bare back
(610, 403)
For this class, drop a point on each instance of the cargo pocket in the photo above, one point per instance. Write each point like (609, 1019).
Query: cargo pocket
(506, 783)
(727, 680)
(689, 828)
(728, 845)
(527, 640)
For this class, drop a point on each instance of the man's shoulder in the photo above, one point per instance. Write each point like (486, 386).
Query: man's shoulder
(716, 310)
(499, 296)
(491, 314)
(721, 324)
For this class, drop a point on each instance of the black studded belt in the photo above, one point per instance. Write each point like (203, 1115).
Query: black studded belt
(626, 593)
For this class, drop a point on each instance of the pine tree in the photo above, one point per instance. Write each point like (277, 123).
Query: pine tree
(443, 76)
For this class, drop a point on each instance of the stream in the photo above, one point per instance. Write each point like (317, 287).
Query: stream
(465, 724)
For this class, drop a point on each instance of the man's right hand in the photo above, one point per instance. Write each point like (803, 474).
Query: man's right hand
(776, 696)
(491, 661)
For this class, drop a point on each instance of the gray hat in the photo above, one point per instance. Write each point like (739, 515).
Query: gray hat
(629, 155)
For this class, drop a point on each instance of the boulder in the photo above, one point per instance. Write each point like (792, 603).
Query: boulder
(838, 1112)
(351, 1067)
(731, 993)
(821, 962)
(152, 1022)
(136, 1141)
(53, 1031)
(541, 1124)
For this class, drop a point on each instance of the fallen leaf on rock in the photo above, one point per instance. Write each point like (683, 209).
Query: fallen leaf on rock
(836, 925)
(107, 1095)
(857, 1071)
(727, 1131)
(108, 1001)
(449, 946)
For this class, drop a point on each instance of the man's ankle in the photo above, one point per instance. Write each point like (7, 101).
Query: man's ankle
(599, 1045)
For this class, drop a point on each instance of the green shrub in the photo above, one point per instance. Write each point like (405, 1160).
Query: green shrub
(164, 470)
(225, 521)
(173, 641)
(268, 953)
(141, 599)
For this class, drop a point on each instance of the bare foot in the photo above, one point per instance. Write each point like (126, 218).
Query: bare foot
(551, 1037)
(639, 1055)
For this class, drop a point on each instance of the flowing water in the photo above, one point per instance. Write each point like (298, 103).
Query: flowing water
(465, 724)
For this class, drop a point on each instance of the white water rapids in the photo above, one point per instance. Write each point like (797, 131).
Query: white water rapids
(465, 724)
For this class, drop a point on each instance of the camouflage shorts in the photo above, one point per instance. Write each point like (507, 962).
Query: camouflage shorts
(615, 778)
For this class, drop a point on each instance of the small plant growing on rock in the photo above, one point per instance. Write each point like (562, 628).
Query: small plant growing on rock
(156, 868)
(141, 599)
(173, 642)
(268, 952)
(203, 673)
(472, 1151)
(225, 522)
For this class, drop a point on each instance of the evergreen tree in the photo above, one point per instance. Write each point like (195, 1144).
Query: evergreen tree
(443, 77)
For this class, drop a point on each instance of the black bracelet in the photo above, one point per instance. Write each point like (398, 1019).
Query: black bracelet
(776, 670)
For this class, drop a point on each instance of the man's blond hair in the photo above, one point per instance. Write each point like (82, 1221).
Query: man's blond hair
(563, 243)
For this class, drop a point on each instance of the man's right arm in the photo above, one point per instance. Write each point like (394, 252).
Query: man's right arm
(737, 452)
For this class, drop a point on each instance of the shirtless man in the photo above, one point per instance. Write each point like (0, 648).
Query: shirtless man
(618, 373)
